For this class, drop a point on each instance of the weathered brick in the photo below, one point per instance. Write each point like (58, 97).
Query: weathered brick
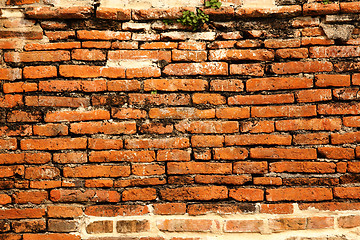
(198, 168)
(243, 226)
(181, 113)
(250, 167)
(263, 139)
(257, 55)
(71, 116)
(143, 194)
(94, 171)
(53, 144)
(120, 156)
(35, 197)
(169, 208)
(284, 111)
(116, 210)
(29, 226)
(103, 127)
(299, 194)
(301, 67)
(86, 196)
(247, 194)
(316, 124)
(247, 69)
(35, 56)
(261, 99)
(334, 80)
(157, 143)
(283, 153)
(302, 167)
(204, 68)
(194, 193)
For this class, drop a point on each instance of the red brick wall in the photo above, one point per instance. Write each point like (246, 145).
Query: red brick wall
(116, 126)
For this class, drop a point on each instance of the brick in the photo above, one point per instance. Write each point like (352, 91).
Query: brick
(346, 94)
(50, 236)
(208, 98)
(169, 208)
(49, 184)
(222, 44)
(69, 86)
(156, 128)
(243, 226)
(335, 80)
(321, 9)
(99, 183)
(100, 227)
(187, 225)
(53, 144)
(233, 208)
(50, 101)
(302, 167)
(145, 72)
(249, 43)
(158, 13)
(19, 87)
(250, 167)
(257, 126)
(311, 139)
(130, 226)
(247, 69)
(5, 226)
(36, 72)
(64, 211)
(207, 141)
(88, 55)
(175, 85)
(301, 67)
(171, 99)
(105, 100)
(139, 55)
(50, 130)
(103, 127)
(113, 13)
(71, 116)
(339, 108)
(283, 153)
(23, 213)
(124, 45)
(346, 192)
(11, 171)
(10, 73)
(35, 56)
(86, 196)
(297, 53)
(325, 124)
(279, 208)
(128, 113)
(349, 221)
(22, 116)
(233, 112)
(336, 153)
(19, 130)
(5, 199)
(198, 168)
(143, 194)
(94, 44)
(179, 142)
(247, 194)
(316, 95)
(320, 222)
(312, 32)
(310, 41)
(330, 206)
(100, 144)
(102, 35)
(173, 155)
(8, 144)
(29, 226)
(56, 225)
(334, 52)
(51, 46)
(70, 157)
(305, 22)
(94, 171)
(260, 99)
(116, 210)
(282, 43)
(181, 113)
(10, 236)
(284, 111)
(267, 181)
(85, 71)
(159, 45)
(223, 180)
(207, 127)
(230, 153)
(35, 197)
(60, 35)
(192, 45)
(140, 182)
(263, 139)
(237, 55)
(120, 156)
(204, 68)
(44, 172)
(189, 56)
(11, 101)
(299, 194)
(147, 169)
(286, 224)
(194, 193)
(229, 85)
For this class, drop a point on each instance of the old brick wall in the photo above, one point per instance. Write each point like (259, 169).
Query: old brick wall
(117, 126)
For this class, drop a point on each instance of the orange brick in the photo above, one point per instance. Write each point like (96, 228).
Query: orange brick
(45, 172)
(175, 85)
(316, 124)
(286, 224)
(292, 53)
(299, 194)
(342, 108)
(207, 141)
(35, 197)
(260, 99)
(179, 142)
(71, 116)
(50, 101)
(301, 67)
(139, 55)
(205, 68)
(315, 95)
(247, 194)
(236, 55)
(50, 130)
(263, 139)
(93, 171)
(19, 87)
(280, 208)
(69, 86)
(86, 196)
(144, 194)
(157, 128)
(221, 179)
(189, 56)
(24, 213)
(99, 143)
(123, 85)
(277, 83)
(250, 167)
(70, 157)
(103, 127)
(64, 211)
(307, 167)
(282, 43)
(187, 225)
(207, 127)
(194, 193)
(311, 139)
(243, 226)
(198, 168)
(336, 80)
(257, 126)
(147, 169)
(53, 144)
(181, 113)
(321, 9)
(40, 72)
(120, 156)
(230, 153)
(103, 35)
(229, 85)
(10, 73)
(336, 153)
(41, 56)
(128, 113)
(233, 112)
(169, 208)
(51, 46)
(84, 71)
(21, 116)
(173, 155)
(88, 55)
(283, 153)
(284, 111)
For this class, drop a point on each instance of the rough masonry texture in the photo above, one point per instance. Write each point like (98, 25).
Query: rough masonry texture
(117, 126)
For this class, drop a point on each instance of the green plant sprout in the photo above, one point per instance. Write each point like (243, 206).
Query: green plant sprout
(168, 21)
(192, 19)
(325, 1)
(215, 4)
